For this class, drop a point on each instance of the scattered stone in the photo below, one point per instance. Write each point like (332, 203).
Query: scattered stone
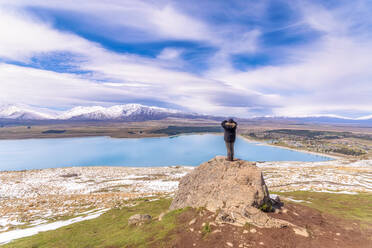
(301, 231)
(245, 231)
(161, 216)
(235, 188)
(203, 224)
(212, 224)
(253, 230)
(338, 234)
(191, 229)
(229, 244)
(192, 222)
(217, 231)
(70, 175)
(139, 219)
(284, 210)
(261, 243)
(241, 245)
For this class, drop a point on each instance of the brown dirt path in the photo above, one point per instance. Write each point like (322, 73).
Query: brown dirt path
(323, 231)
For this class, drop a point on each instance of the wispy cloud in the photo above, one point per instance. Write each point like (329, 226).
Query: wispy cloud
(242, 58)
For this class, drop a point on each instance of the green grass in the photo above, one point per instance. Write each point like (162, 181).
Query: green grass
(206, 229)
(346, 206)
(109, 230)
(266, 207)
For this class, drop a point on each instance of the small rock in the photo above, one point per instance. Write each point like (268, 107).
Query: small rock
(217, 231)
(261, 243)
(212, 224)
(161, 216)
(241, 245)
(191, 229)
(338, 234)
(253, 230)
(284, 210)
(245, 231)
(203, 224)
(194, 244)
(192, 222)
(229, 244)
(301, 231)
(139, 219)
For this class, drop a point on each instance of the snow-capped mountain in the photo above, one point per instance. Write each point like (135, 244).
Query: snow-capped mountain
(127, 112)
(119, 112)
(138, 112)
(23, 112)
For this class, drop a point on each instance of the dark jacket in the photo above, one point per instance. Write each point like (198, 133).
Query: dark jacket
(230, 132)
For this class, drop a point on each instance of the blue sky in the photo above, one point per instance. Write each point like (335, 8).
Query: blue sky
(243, 58)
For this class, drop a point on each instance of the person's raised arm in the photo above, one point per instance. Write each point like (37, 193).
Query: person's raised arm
(223, 124)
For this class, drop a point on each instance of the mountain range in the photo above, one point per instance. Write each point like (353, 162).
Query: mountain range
(127, 112)
(138, 112)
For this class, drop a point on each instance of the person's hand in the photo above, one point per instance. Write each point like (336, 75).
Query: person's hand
(230, 124)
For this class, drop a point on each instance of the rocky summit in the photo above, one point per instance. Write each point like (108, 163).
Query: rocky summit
(234, 190)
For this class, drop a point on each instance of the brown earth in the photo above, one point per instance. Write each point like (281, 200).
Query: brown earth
(324, 231)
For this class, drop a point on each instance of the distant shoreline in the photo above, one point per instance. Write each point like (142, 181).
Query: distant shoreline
(292, 149)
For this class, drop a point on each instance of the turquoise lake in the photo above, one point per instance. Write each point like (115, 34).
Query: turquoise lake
(95, 151)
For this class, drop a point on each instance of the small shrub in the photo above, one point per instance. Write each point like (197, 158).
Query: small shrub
(200, 210)
(247, 225)
(206, 229)
(266, 207)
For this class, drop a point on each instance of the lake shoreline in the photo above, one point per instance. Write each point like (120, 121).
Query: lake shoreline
(292, 149)
(186, 150)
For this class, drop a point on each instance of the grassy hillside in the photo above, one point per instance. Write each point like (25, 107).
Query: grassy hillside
(347, 206)
(111, 229)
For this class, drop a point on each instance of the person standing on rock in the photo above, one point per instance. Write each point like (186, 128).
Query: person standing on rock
(229, 136)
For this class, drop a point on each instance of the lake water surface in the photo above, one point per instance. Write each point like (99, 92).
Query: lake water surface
(94, 151)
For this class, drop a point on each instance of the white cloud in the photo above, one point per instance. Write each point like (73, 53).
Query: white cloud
(169, 53)
(327, 76)
(22, 36)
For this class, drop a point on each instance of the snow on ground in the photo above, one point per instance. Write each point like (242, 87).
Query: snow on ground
(38, 196)
(33, 199)
(6, 237)
(332, 176)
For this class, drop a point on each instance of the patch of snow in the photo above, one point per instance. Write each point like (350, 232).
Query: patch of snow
(158, 186)
(273, 196)
(7, 237)
(294, 200)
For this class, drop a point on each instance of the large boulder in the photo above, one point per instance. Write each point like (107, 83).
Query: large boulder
(235, 190)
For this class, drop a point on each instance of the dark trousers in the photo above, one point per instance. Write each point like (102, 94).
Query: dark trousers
(230, 150)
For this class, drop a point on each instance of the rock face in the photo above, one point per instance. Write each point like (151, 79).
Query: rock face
(235, 190)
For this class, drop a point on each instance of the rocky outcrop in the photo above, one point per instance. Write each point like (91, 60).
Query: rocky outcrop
(234, 190)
